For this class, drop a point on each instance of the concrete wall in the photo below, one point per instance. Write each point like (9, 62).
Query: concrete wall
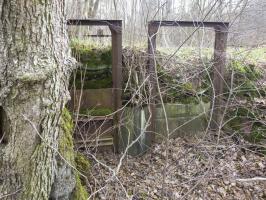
(184, 120)
(91, 98)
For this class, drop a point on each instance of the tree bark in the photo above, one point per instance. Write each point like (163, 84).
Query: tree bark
(35, 65)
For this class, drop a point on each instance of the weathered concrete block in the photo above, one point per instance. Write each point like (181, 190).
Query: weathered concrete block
(133, 138)
(91, 98)
(183, 121)
(181, 110)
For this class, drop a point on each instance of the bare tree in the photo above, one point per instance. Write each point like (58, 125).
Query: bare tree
(91, 7)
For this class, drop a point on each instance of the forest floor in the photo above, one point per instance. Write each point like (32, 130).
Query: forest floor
(216, 167)
(191, 170)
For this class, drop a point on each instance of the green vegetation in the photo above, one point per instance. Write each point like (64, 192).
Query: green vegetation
(96, 111)
(95, 71)
(186, 53)
(248, 122)
(66, 149)
(94, 83)
(247, 117)
(80, 192)
(90, 56)
(246, 77)
(66, 145)
(96, 66)
(251, 55)
(178, 91)
(82, 163)
(83, 166)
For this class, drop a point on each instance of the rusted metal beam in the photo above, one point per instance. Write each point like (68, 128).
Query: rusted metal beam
(152, 32)
(93, 22)
(98, 36)
(114, 24)
(218, 76)
(117, 77)
(189, 24)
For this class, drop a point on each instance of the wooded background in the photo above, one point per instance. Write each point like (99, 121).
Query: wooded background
(247, 18)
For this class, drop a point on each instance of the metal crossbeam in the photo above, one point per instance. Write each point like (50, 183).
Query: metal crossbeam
(189, 24)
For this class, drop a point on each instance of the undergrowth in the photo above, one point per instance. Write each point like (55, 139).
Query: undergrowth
(186, 81)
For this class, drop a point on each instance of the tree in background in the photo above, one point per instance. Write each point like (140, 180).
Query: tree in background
(82, 9)
(243, 16)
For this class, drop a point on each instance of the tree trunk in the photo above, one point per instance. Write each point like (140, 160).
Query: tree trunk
(35, 65)
(91, 8)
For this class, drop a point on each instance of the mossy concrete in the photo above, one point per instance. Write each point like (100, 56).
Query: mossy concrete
(95, 69)
(181, 110)
(184, 120)
(133, 132)
(91, 98)
(91, 56)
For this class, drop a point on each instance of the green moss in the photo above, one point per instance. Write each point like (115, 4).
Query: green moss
(83, 166)
(94, 83)
(185, 93)
(244, 70)
(106, 57)
(240, 116)
(96, 66)
(91, 56)
(92, 79)
(80, 192)
(66, 149)
(246, 77)
(66, 145)
(96, 111)
(258, 133)
(246, 87)
(82, 163)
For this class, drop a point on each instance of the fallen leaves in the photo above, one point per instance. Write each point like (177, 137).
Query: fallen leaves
(194, 170)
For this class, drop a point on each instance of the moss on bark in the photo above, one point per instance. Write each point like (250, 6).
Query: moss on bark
(66, 145)
(66, 149)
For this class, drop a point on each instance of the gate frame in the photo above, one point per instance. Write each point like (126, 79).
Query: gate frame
(115, 27)
(220, 45)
